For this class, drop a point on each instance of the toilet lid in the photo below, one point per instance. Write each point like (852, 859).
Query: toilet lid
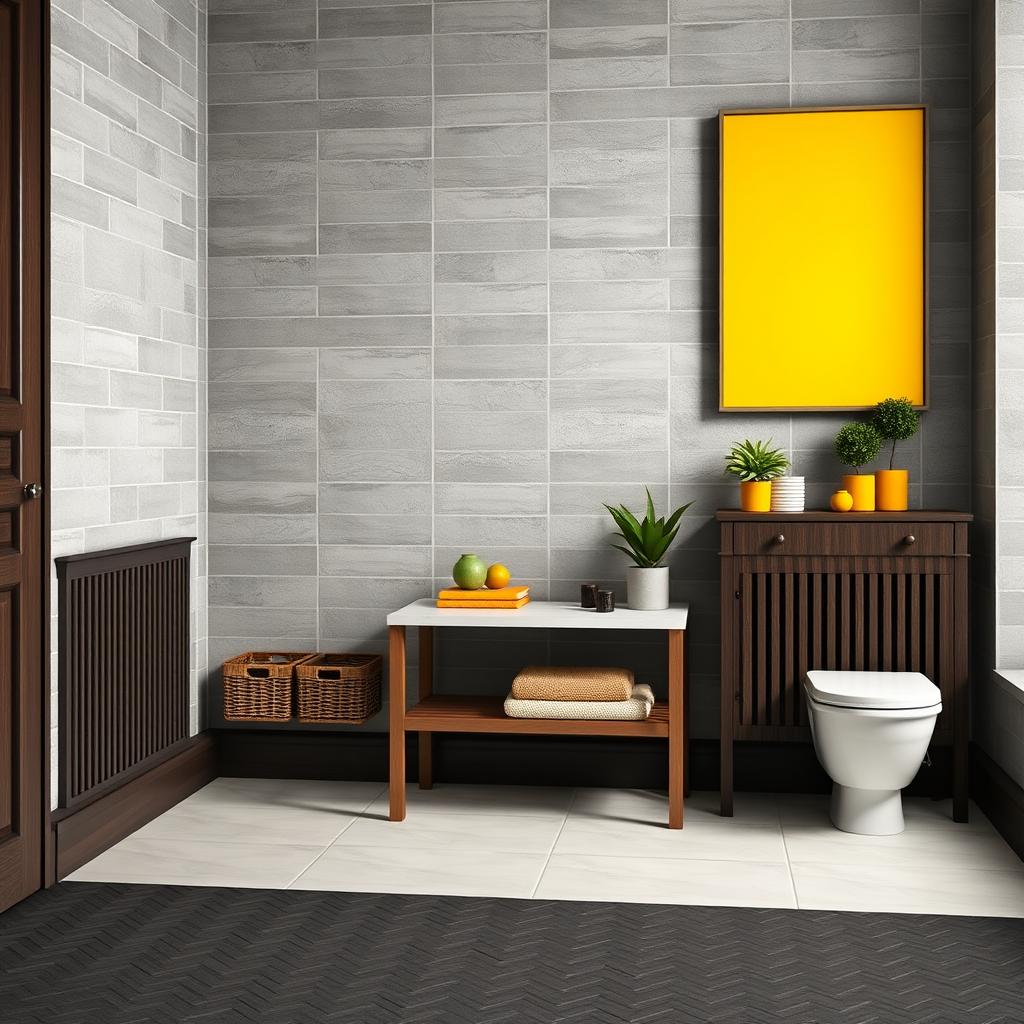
(889, 690)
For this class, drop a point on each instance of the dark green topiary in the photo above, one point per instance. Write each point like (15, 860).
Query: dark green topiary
(895, 419)
(857, 444)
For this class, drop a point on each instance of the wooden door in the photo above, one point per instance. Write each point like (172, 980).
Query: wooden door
(22, 298)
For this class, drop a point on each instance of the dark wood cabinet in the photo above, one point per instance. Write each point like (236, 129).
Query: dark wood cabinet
(876, 591)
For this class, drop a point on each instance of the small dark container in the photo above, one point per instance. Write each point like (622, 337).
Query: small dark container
(588, 595)
(606, 600)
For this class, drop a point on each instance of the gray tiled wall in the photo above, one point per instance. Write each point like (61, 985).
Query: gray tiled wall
(462, 266)
(128, 282)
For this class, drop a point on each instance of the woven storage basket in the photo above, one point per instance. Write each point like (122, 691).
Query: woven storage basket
(258, 686)
(339, 688)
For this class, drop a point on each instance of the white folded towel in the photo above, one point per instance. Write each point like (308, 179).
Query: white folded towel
(635, 709)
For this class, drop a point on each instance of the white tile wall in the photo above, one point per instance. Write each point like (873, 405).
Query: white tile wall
(128, 292)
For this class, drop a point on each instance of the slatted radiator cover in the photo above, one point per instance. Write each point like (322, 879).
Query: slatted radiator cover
(123, 664)
(795, 621)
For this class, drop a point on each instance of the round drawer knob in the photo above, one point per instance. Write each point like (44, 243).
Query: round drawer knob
(910, 539)
(779, 538)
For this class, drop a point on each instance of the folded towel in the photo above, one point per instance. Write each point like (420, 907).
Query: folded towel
(483, 604)
(513, 593)
(554, 682)
(635, 709)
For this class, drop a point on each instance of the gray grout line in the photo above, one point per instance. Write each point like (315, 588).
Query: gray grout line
(789, 863)
(551, 852)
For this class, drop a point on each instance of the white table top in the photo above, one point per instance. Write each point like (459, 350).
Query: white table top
(538, 615)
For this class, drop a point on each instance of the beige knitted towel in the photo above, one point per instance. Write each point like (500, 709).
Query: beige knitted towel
(635, 709)
(557, 682)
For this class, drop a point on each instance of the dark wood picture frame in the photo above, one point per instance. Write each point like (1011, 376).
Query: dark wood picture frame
(925, 269)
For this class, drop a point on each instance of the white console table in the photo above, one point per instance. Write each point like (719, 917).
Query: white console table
(477, 714)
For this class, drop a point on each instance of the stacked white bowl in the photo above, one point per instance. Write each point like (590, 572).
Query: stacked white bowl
(788, 494)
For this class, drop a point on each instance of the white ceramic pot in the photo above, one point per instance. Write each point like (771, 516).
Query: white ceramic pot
(788, 494)
(647, 589)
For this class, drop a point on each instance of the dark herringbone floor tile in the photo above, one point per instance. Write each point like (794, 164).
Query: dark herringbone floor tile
(86, 953)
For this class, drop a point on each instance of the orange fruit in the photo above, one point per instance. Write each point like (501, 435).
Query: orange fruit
(497, 576)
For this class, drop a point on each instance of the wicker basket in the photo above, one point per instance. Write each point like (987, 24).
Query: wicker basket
(258, 686)
(339, 688)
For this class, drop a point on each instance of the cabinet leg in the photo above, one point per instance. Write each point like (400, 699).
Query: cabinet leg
(960, 792)
(725, 799)
(725, 764)
(426, 744)
(676, 729)
(396, 722)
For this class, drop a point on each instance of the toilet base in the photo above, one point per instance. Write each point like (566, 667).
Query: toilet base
(867, 812)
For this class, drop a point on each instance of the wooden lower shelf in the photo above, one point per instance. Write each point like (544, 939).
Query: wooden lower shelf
(487, 714)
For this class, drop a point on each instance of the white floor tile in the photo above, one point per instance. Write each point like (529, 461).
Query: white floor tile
(591, 844)
(440, 831)
(919, 814)
(350, 797)
(186, 862)
(906, 889)
(644, 805)
(533, 801)
(616, 837)
(453, 872)
(278, 822)
(654, 880)
(926, 848)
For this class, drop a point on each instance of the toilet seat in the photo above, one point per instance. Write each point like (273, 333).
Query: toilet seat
(888, 691)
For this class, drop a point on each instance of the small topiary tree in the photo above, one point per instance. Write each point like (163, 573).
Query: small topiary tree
(857, 444)
(895, 419)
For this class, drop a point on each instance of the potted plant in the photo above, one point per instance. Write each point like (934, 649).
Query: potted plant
(894, 420)
(857, 444)
(647, 542)
(756, 463)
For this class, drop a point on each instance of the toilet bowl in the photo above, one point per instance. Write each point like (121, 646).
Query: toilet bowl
(871, 732)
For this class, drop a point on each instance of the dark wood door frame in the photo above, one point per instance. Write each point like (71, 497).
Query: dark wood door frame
(24, 264)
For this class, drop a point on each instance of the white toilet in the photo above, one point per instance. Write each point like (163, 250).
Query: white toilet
(871, 732)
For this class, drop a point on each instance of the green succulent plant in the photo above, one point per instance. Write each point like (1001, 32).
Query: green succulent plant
(856, 444)
(756, 460)
(895, 419)
(650, 538)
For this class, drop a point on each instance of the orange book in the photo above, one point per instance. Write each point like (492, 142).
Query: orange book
(483, 604)
(513, 593)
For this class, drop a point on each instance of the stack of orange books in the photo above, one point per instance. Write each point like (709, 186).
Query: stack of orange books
(506, 597)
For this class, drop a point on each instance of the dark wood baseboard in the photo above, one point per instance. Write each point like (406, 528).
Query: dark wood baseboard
(999, 797)
(85, 833)
(544, 761)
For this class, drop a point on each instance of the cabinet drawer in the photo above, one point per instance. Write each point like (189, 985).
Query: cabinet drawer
(856, 538)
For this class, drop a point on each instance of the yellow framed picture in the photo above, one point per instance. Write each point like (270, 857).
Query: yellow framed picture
(823, 258)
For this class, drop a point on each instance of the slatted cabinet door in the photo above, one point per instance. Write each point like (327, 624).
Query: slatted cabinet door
(794, 621)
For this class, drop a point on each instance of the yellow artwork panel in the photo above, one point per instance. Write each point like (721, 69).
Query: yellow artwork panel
(823, 258)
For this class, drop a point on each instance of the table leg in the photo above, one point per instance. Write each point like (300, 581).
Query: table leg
(688, 768)
(396, 722)
(426, 773)
(676, 729)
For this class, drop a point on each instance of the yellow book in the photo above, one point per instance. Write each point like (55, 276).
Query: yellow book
(513, 593)
(484, 604)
